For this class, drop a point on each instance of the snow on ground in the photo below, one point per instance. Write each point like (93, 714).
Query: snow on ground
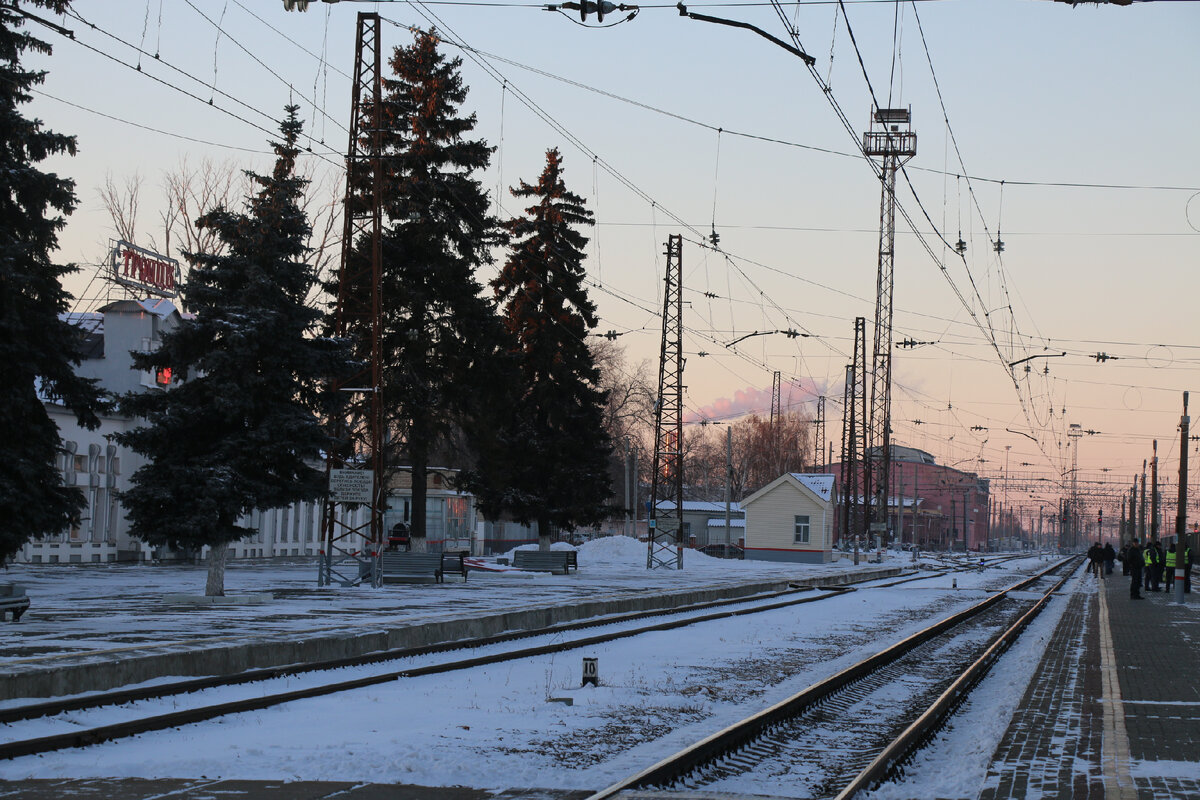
(87, 608)
(500, 726)
(956, 762)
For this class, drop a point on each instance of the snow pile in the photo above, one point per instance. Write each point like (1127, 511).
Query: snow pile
(626, 551)
(622, 550)
(534, 546)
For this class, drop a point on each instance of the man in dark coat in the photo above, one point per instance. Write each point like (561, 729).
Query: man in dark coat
(1133, 557)
(1110, 556)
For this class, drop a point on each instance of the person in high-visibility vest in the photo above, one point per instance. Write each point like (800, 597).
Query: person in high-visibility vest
(1169, 562)
(1153, 558)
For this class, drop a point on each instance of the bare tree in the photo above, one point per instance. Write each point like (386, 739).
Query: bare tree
(322, 203)
(121, 202)
(192, 190)
(629, 415)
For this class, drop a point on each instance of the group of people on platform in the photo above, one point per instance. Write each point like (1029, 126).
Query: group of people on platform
(1100, 559)
(1147, 565)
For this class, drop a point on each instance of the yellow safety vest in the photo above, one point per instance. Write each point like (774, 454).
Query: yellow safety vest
(1170, 560)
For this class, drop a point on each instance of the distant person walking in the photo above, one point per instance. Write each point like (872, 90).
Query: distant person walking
(1133, 557)
(1110, 556)
(1095, 553)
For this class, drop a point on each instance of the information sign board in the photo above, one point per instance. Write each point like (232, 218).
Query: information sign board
(351, 485)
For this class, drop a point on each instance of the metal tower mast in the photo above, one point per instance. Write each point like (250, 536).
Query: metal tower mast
(352, 539)
(895, 147)
(819, 435)
(775, 404)
(665, 546)
(854, 438)
(849, 477)
(776, 448)
(1074, 432)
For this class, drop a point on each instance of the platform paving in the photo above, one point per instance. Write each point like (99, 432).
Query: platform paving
(1113, 710)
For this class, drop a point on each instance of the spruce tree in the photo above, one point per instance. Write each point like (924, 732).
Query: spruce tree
(239, 431)
(440, 334)
(38, 349)
(559, 471)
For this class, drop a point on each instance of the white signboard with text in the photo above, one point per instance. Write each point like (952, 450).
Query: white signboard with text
(351, 485)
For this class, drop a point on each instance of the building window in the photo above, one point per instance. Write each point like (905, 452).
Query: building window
(801, 535)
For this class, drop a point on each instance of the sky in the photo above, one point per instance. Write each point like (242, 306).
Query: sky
(1066, 133)
(657, 693)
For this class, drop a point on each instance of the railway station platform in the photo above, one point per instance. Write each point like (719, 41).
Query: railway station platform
(1113, 709)
(94, 629)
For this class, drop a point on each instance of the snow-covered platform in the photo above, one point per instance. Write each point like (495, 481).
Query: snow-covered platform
(1113, 709)
(98, 627)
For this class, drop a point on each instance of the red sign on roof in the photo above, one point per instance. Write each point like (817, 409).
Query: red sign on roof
(144, 269)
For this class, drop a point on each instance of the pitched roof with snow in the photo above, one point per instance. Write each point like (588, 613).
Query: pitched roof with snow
(821, 485)
(701, 505)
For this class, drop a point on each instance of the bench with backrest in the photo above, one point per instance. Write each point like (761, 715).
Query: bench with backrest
(410, 567)
(13, 599)
(455, 563)
(546, 560)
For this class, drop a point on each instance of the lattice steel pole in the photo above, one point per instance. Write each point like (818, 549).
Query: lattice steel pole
(895, 147)
(819, 436)
(665, 540)
(352, 539)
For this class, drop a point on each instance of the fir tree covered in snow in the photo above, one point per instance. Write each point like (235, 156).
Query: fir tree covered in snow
(238, 431)
(441, 335)
(38, 349)
(559, 448)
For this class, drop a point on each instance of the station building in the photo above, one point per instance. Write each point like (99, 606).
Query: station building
(101, 469)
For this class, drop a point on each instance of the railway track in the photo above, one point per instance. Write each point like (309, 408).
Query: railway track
(868, 718)
(72, 712)
(82, 734)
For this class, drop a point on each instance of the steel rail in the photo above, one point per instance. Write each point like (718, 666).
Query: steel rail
(909, 741)
(85, 737)
(726, 740)
(122, 696)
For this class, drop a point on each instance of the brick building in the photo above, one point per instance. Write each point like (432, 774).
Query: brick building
(933, 506)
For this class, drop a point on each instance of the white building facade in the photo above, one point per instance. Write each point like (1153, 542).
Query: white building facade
(791, 519)
(101, 469)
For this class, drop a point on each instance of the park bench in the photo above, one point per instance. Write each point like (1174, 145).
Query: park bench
(412, 567)
(455, 563)
(546, 560)
(14, 599)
